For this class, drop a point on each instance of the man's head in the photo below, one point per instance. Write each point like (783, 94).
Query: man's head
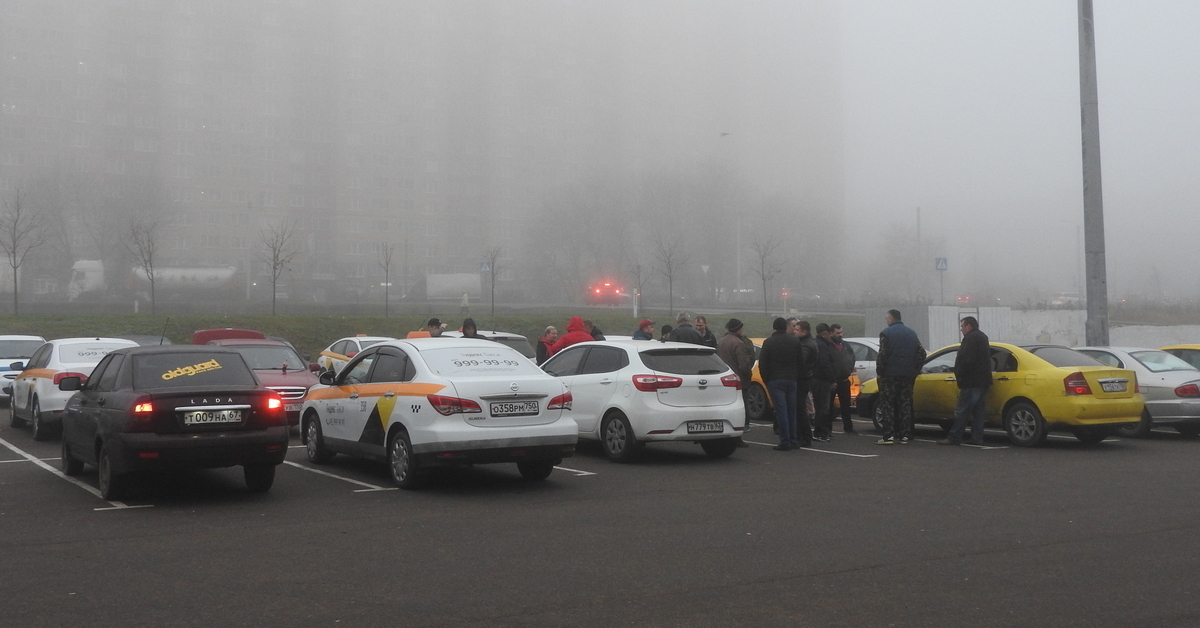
(734, 326)
(803, 329)
(823, 330)
(588, 326)
(968, 324)
(893, 316)
(779, 324)
(791, 326)
(434, 327)
(683, 318)
(836, 332)
(551, 333)
(701, 325)
(647, 326)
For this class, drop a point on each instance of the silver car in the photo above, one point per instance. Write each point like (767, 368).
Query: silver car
(1169, 385)
(866, 351)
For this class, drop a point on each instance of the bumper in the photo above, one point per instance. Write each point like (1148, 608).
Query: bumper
(134, 452)
(469, 443)
(1086, 411)
(511, 453)
(668, 423)
(1174, 412)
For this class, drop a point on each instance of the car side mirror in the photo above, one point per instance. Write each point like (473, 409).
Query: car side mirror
(314, 367)
(327, 378)
(70, 383)
(17, 366)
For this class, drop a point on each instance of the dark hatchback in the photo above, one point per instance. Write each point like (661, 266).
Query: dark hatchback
(172, 407)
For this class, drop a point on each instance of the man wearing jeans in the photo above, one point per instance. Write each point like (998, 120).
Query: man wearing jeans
(779, 365)
(973, 374)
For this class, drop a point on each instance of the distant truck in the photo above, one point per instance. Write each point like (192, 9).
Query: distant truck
(88, 278)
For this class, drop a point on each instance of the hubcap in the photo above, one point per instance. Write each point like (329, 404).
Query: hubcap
(399, 460)
(614, 436)
(756, 401)
(312, 439)
(1023, 424)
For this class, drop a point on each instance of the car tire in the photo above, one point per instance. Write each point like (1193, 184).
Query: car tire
(757, 405)
(1141, 429)
(617, 439)
(1191, 430)
(1025, 425)
(314, 441)
(70, 464)
(536, 471)
(401, 464)
(259, 477)
(1091, 435)
(41, 431)
(112, 485)
(877, 417)
(720, 448)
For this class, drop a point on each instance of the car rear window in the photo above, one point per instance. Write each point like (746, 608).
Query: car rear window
(19, 348)
(270, 357)
(1161, 361)
(684, 361)
(520, 344)
(1062, 356)
(486, 361)
(88, 352)
(166, 370)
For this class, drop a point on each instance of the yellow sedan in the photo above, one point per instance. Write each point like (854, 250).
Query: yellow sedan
(1035, 389)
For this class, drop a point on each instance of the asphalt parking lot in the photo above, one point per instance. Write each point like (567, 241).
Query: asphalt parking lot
(846, 534)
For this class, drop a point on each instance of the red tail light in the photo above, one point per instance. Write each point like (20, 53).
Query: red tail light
(1188, 390)
(1076, 384)
(452, 405)
(651, 383)
(141, 416)
(143, 408)
(58, 377)
(732, 381)
(561, 402)
(351, 354)
(274, 403)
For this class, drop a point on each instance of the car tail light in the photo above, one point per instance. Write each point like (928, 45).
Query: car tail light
(1188, 390)
(1076, 384)
(58, 377)
(143, 408)
(732, 381)
(452, 405)
(141, 416)
(651, 383)
(351, 354)
(274, 403)
(561, 402)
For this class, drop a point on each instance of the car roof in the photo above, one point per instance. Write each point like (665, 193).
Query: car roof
(362, 338)
(1123, 349)
(1197, 347)
(443, 342)
(64, 341)
(237, 342)
(140, 349)
(20, 337)
(483, 332)
(644, 345)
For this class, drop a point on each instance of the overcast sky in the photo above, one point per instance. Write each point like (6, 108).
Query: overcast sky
(970, 111)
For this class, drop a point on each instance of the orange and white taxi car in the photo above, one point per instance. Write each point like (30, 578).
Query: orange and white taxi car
(336, 355)
(424, 402)
(36, 398)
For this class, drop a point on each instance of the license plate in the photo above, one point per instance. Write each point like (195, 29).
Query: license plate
(705, 427)
(1112, 386)
(292, 407)
(514, 408)
(204, 417)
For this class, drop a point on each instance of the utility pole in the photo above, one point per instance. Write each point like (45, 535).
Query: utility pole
(1093, 198)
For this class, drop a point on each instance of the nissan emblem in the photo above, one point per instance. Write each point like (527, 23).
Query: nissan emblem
(513, 387)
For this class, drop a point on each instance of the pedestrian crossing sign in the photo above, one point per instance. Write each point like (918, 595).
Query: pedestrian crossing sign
(940, 263)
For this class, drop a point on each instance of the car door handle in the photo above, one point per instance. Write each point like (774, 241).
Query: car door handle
(1002, 379)
(354, 395)
(606, 381)
(389, 394)
(949, 379)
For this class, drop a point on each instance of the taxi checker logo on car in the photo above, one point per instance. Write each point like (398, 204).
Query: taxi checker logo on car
(202, 367)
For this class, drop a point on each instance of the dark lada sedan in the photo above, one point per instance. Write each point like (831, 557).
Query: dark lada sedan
(172, 407)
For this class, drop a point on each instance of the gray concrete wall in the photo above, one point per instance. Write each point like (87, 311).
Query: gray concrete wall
(1154, 336)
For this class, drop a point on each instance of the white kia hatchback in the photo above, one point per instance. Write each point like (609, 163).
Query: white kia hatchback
(627, 392)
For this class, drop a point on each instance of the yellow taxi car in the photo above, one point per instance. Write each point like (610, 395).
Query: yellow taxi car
(758, 403)
(1187, 353)
(1035, 389)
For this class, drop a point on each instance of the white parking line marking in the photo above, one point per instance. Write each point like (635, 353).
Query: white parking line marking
(369, 487)
(819, 451)
(575, 471)
(91, 489)
(23, 460)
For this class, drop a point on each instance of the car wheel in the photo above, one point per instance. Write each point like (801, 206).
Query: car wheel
(536, 471)
(1141, 429)
(314, 442)
(112, 485)
(721, 448)
(1025, 425)
(259, 477)
(70, 464)
(41, 431)
(401, 463)
(877, 417)
(1091, 435)
(756, 403)
(620, 445)
(1190, 430)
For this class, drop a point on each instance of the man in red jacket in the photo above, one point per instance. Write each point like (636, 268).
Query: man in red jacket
(575, 334)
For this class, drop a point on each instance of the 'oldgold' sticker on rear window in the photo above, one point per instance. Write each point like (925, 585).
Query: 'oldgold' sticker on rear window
(182, 371)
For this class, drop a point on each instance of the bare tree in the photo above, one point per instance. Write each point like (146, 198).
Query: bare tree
(385, 262)
(765, 267)
(640, 275)
(492, 259)
(671, 259)
(20, 232)
(142, 248)
(279, 249)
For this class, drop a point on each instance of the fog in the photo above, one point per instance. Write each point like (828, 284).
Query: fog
(838, 146)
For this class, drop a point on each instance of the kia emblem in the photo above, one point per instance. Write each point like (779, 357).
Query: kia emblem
(704, 382)
(513, 387)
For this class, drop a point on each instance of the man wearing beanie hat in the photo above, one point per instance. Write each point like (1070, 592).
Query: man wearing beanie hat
(779, 365)
(684, 332)
(735, 349)
(645, 330)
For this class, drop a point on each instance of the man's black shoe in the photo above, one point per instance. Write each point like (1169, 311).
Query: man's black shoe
(782, 447)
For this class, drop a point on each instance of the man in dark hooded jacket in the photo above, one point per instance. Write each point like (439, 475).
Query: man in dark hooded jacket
(684, 332)
(823, 385)
(779, 365)
(575, 334)
(470, 330)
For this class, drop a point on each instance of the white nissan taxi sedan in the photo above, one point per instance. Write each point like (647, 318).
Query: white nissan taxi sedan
(425, 402)
(35, 395)
(627, 393)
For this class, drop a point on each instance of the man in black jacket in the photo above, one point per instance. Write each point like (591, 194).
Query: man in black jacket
(843, 368)
(808, 361)
(823, 386)
(684, 332)
(973, 372)
(778, 363)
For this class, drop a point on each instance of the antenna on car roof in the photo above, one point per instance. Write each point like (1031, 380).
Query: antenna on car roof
(163, 335)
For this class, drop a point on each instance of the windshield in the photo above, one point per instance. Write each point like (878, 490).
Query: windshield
(10, 349)
(684, 361)
(366, 343)
(270, 357)
(520, 344)
(488, 361)
(1062, 356)
(167, 370)
(1161, 361)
